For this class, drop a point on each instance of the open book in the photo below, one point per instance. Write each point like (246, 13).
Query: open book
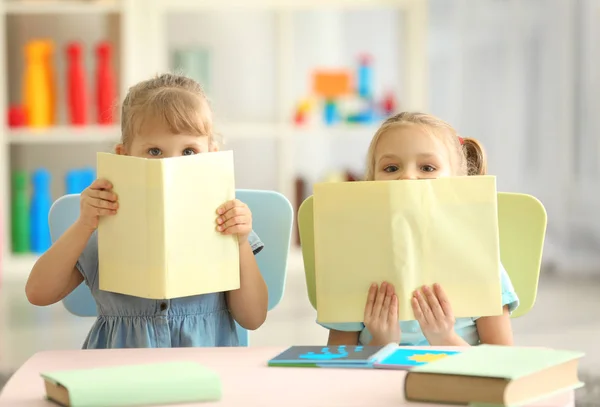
(409, 233)
(163, 242)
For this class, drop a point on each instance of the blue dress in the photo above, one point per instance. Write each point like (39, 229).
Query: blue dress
(411, 334)
(131, 322)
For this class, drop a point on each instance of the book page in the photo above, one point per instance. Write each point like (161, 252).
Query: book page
(447, 230)
(353, 247)
(130, 255)
(199, 258)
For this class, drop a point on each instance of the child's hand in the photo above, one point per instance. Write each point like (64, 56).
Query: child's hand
(434, 313)
(97, 200)
(235, 218)
(381, 314)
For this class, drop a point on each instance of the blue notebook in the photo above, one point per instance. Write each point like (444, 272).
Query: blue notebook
(331, 356)
(407, 358)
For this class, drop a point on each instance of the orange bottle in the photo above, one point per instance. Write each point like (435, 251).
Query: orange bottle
(51, 79)
(37, 94)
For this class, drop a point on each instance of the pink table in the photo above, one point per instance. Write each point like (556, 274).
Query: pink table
(247, 381)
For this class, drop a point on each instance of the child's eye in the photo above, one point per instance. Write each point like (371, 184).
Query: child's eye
(391, 168)
(428, 168)
(189, 151)
(154, 152)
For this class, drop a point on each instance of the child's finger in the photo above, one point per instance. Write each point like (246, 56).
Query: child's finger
(433, 302)
(385, 309)
(370, 301)
(379, 300)
(102, 194)
(424, 307)
(238, 220)
(102, 204)
(443, 299)
(417, 311)
(393, 314)
(105, 212)
(235, 230)
(101, 184)
(229, 205)
(235, 211)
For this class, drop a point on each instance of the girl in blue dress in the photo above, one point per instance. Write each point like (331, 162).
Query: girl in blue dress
(167, 116)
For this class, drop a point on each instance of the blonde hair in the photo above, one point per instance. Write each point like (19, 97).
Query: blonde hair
(179, 102)
(468, 154)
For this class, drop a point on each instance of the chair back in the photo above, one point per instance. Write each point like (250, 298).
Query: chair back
(272, 217)
(522, 228)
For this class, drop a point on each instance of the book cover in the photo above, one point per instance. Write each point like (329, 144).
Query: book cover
(329, 356)
(163, 242)
(133, 385)
(405, 232)
(503, 362)
(408, 358)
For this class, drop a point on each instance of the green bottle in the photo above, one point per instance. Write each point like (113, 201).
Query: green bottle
(20, 213)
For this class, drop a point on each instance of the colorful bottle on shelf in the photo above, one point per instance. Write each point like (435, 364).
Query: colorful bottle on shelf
(19, 213)
(76, 85)
(73, 182)
(49, 61)
(105, 83)
(88, 176)
(41, 201)
(36, 87)
(365, 77)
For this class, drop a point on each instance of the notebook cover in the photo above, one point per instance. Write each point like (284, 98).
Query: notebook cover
(407, 358)
(505, 362)
(329, 356)
(135, 385)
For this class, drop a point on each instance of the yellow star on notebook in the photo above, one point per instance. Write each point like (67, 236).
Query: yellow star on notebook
(428, 357)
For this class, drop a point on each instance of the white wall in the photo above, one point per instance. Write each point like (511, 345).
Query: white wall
(508, 73)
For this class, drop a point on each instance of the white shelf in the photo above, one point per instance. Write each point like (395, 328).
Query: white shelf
(61, 6)
(17, 264)
(199, 5)
(64, 135)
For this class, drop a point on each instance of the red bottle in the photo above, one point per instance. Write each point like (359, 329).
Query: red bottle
(77, 95)
(105, 83)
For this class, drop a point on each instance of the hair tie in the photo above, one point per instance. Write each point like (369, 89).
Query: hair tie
(461, 140)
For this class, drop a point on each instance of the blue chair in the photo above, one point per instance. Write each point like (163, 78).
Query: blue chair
(272, 216)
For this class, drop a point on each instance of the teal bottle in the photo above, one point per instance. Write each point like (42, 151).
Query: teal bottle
(20, 213)
(41, 201)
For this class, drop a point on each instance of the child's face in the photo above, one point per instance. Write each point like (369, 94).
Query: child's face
(407, 152)
(157, 142)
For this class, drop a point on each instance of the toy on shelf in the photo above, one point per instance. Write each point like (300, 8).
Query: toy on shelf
(342, 100)
(37, 87)
(16, 116)
(51, 78)
(41, 201)
(195, 63)
(76, 180)
(105, 83)
(19, 213)
(76, 84)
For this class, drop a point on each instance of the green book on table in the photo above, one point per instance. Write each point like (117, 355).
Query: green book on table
(489, 375)
(133, 385)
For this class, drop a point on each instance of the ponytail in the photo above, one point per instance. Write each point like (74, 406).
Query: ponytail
(475, 156)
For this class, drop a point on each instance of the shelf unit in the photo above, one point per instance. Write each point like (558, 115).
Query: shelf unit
(143, 52)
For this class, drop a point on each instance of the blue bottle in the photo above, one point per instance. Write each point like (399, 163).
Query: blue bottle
(73, 182)
(41, 201)
(88, 176)
(365, 77)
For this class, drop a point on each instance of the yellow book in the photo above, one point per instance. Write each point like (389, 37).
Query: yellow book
(410, 233)
(163, 242)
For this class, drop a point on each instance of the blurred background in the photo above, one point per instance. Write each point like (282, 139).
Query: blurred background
(298, 88)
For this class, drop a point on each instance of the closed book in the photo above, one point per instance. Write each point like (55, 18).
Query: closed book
(491, 375)
(133, 385)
